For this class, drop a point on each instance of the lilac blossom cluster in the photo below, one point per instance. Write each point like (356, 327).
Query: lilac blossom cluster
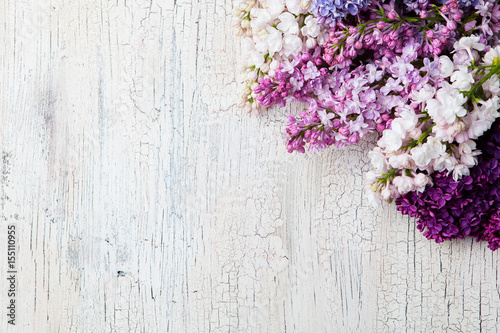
(423, 74)
(330, 12)
(386, 30)
(273, 31)
(344, 105)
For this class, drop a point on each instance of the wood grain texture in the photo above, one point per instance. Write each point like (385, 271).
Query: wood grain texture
(146, 201)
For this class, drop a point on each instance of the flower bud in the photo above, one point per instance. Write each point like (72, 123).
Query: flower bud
(310, 43)
(392, 15)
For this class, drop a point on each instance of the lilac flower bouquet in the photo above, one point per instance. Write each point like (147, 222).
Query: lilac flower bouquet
(424, 74)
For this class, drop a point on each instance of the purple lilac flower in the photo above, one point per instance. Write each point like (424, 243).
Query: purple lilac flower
(348, 103)
(374, 38)
(271, 93)
(304, 79)
(347, 107)
(434, 29)
(388, 34)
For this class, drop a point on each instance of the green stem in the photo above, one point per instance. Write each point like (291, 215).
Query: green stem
(424, 135)
(421, 138)
(481, 67)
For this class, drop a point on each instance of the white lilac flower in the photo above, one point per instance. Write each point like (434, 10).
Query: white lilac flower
(275, 8)
(448, 132)
(292, 44)
(288, 23)
(402, 161)
(435, 146)
(424, 154)
(467, 152)
(274, 64)
(445, 162)
(260, 18)
(255, 58)
(468, 160)
(421, 181)
(386, 193)
(310, 43)
(373, 73)
(273, 40)
(378, 160)
(311, 27)
(482, 117)
(491, 87)
(446, 66)
(469, 43)
(294, 7)
(372, 196)
(478, 126)
(467, 147)
(490, 56)
(289, 66)
(404, 184)
(407, 117)
(421, 96)
(371, 176)
(392, 139)
(490, 107)
(415, 133)
(421, 156)
(459, 171)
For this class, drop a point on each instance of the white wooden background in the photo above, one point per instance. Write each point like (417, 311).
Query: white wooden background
(146, 201)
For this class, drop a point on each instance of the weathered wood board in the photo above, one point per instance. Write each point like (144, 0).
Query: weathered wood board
(144, 200)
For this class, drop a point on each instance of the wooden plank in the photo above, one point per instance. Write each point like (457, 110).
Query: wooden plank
(144, 200)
